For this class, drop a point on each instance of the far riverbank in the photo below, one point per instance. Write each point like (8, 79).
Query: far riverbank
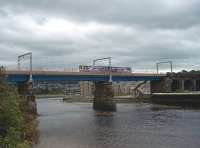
(117, 99)
(170, 99)
(49, 96)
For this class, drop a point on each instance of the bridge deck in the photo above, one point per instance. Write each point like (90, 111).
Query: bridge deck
(22, 76)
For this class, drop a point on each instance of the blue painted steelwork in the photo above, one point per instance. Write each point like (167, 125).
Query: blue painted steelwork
(19, 78)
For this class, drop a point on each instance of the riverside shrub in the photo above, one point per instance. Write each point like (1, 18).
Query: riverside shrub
(18, 128)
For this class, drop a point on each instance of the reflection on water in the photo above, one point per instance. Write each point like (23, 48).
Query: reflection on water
(139, 125)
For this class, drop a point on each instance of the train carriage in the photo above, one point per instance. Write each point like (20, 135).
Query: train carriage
(85, 68)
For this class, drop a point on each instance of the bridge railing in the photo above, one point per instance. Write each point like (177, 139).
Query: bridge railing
(42, 69)
(45, 69)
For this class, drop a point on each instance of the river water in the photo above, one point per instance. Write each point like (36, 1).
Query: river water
(136, 125)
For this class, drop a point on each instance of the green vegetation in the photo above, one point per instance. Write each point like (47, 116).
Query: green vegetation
(18, 127)
(190, 72)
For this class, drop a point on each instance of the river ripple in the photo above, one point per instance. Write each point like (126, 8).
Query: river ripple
(137, 125)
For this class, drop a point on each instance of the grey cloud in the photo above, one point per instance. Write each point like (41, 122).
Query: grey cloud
(144, 32)
(157, 13)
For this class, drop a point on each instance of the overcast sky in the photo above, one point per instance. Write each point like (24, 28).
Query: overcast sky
(67, 33)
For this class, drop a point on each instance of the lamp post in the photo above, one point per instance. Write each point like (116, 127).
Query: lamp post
(110, 68)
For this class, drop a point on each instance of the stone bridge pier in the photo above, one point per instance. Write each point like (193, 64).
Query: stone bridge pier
(175, 84)
(103, 97)
(26, 90)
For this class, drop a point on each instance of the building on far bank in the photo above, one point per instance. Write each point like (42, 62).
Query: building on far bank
(54, 87)
(86, 88)
(122, 88)
(119, 88)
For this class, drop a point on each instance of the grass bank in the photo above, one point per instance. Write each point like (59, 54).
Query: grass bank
(18, 127)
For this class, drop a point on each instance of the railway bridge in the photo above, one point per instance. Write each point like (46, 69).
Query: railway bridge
(103, 86)
(103, 94)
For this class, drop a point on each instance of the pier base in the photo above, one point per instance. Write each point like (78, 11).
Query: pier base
(103, 97)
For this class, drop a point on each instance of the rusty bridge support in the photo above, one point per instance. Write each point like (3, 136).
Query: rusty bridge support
(26, 90)
(103, 97)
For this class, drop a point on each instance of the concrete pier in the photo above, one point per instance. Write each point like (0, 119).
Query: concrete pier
(103, 97)
(194, 83)
(26, 90)
(182, 84)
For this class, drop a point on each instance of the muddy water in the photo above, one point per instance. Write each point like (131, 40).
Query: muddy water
(138, 125)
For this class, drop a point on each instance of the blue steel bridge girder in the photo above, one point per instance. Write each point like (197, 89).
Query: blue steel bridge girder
(19, 78)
